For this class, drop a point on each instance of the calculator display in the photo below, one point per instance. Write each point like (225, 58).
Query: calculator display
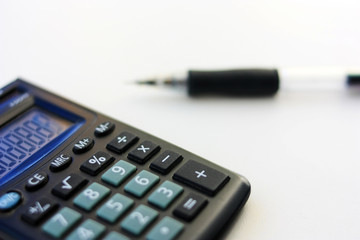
(27, 135)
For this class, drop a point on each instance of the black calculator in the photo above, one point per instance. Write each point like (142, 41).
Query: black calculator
(67, 172)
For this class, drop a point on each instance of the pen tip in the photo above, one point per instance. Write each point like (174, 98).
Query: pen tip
(147, 82)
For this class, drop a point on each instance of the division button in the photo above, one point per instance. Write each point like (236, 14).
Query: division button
(38, 210)
(83, 145)
(190, 207)
(104, 129)
(144, 152)
(166, 162)
(122, 142)
(201, 177)
(9, 200)
(96, 163)
(60, 163)
(36, 181)
(69, 186)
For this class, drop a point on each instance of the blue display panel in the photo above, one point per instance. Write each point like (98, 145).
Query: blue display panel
(26, 135)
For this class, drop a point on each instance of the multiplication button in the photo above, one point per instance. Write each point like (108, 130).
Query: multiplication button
(201, 177)
(144, 152)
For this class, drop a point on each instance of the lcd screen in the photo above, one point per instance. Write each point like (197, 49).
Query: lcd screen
(26, 135)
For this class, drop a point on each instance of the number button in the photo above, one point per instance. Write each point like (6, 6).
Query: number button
(141, 183)
(166, 229)
(118, 173)
(115, 236)
(61, 222)
(114, 208)
(91, 196)
(139, 219)
(165, 194)
(88, 230)
(96, 163)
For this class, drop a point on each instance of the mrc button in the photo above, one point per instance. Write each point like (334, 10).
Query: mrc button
(60, 163)
(36, 181)
(83, 145)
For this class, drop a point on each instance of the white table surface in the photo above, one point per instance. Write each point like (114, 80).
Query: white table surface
(300, 150)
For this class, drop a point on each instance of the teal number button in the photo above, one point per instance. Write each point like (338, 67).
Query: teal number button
(61, 222)
(91, 196)
(139, 219)
(115, 236)
(88, 230)
(114, 208)
(166, 229)
(141, 183)
(118, 173)
(165, 194)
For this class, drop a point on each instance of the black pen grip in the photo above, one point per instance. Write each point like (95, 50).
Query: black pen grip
(244, 82)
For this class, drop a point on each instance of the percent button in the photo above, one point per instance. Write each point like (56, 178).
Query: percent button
(96, 163)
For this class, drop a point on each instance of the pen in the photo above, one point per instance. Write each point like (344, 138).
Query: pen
(254, 82)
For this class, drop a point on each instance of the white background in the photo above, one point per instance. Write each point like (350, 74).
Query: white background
(300, 149)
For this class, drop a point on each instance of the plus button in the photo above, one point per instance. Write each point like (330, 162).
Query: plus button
(200, 174)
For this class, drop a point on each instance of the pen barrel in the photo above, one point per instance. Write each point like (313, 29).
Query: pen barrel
(244, 82)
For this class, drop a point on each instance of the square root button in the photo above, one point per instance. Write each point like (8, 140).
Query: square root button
(201, 177)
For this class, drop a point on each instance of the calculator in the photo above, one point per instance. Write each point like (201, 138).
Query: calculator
(68, 172)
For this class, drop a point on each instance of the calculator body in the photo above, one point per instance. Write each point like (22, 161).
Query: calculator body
(57, 158)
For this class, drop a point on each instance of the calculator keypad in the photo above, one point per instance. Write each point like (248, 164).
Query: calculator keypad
(121, 208)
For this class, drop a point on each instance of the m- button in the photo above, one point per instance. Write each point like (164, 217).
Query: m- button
(201, 177)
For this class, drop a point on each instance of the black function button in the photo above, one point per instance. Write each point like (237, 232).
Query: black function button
(104, 129)
(83, 145)
(69, 186)
(35, 212)
(60, 163)
(190, 207)
(122, 142)
(96, 163)
(166, 161)
(36, 181)
(201, 177)
(144, 152)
